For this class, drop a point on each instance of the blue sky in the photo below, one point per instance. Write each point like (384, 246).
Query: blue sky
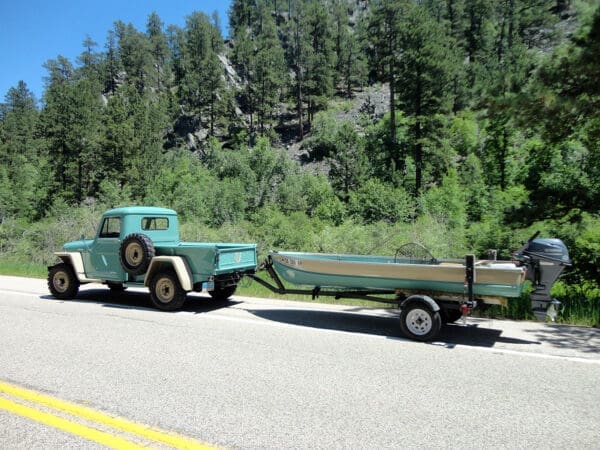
(34, 31)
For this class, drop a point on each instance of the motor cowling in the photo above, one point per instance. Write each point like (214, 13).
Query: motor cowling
(545, 259)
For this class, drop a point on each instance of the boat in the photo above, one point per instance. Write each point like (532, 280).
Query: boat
(490, 278)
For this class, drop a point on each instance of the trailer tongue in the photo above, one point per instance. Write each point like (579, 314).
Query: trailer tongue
(428, 291)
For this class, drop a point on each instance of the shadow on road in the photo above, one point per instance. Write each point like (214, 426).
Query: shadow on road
(449, 337)
(586, 340)
(141, 300)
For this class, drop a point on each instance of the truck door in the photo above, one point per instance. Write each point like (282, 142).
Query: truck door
(104, 252)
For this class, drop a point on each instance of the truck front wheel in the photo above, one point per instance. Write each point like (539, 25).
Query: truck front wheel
(166, 291)
(419, 322)
(62, 281)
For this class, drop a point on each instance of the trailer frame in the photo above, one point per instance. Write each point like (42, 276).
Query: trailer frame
(421, 313)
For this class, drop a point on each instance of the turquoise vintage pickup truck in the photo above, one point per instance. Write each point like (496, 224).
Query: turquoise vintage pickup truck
(139, 246)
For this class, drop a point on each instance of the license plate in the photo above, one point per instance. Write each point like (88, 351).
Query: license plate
(208, 286)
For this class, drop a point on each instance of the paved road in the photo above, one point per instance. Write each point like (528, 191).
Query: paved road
(259, 373)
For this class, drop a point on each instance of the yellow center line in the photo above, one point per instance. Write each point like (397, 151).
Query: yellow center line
(154, 434)
(78, 429)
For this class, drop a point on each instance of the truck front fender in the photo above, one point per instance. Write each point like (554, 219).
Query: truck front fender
(75, 260)
(160, 263)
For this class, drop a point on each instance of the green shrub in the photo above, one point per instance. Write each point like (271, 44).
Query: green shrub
(376, 201)
(580, 302)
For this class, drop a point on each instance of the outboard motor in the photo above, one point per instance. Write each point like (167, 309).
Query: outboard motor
(545, 260)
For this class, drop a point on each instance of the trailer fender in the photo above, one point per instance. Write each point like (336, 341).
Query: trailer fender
(424, 299)
(181, 268)
(75, 260)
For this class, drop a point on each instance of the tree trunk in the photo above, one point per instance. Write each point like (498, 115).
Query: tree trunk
(418, 157)
(299, 106)
(418, 133)
(392, 114)
(503, 152)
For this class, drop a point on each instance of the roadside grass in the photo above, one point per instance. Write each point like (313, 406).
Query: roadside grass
(581, 303)
(20, 269)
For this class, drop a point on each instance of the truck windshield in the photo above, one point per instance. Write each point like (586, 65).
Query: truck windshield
(111, 227)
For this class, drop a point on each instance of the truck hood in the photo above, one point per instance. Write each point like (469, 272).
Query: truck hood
(77, 246)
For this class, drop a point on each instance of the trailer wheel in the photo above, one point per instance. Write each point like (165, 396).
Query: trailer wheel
(62, 282)
(166, 292)
(419, 322)
(135, 253)
(222, 293)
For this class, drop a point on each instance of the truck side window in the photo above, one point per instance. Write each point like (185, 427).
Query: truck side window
(111, 227)
(155, 223)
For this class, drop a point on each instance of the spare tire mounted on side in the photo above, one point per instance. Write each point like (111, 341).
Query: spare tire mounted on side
(136, 253)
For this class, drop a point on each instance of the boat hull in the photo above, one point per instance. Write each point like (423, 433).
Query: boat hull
(502, 279)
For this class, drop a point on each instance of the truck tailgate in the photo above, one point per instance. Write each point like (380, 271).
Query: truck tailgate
(234, 258)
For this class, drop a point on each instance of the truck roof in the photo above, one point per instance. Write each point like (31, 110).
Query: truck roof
(140, 210)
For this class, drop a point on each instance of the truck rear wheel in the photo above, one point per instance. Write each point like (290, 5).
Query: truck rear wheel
(222, 293)
(419, 322)
(136, 253)
(62, 281)
(166, 292)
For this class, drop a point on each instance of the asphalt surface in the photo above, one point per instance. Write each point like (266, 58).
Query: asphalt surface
(259, 373)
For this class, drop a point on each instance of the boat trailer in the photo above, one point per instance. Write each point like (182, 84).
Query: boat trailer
(423, 312)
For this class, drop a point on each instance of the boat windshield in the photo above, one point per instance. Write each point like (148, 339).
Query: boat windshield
(414, 253)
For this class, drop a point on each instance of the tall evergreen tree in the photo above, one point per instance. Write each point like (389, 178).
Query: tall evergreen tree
(384, 49)
(135, 55)
(299, 54)
(268, 68)
(202, 84)
(21, 161)
(423, 78)
(71, 126)
(320, 62)
(159, 49)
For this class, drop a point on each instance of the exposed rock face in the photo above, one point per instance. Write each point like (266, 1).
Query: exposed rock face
(231, 77)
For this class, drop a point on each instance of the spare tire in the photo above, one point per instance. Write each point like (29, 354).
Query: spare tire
(135, 253)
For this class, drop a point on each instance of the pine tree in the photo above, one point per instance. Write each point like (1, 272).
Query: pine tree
(384, 47)
(299, 54)
(71, 127)
(202, 83)
(268, 68)
(134, 54)
(159, 49)
(352, 64)
(349, 166)
(422, 77)
(20, 157)
(320, 62)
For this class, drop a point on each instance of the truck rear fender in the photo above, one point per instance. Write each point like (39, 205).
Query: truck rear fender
(422, 299)
(160, 263)
(75, 260)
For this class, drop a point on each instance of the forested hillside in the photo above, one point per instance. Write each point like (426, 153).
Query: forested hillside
(331, 125)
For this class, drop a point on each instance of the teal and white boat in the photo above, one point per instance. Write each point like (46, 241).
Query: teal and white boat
(427, 291)
(491, 278)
